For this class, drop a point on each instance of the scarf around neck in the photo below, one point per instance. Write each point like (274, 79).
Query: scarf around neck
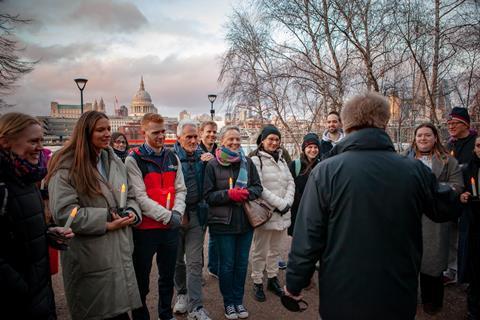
(22, 169)
(226, 157)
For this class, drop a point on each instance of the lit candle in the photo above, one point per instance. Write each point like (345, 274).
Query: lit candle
(452, 153)
(169, 196)
(230, 182)
(70, 217)
(42, 184)
(123, 197)
(474, 187)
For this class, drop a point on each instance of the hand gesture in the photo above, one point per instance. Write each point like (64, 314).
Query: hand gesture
(119, 222)
(465, 196)
(207, 156)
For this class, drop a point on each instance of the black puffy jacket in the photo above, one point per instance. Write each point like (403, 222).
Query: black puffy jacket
(25, 282)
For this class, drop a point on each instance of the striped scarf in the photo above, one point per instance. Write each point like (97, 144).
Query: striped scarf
(226, 157)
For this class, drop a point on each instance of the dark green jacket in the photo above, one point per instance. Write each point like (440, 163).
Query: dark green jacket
(360, 215)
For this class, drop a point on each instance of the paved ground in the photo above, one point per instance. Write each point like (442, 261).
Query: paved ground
(272, 309)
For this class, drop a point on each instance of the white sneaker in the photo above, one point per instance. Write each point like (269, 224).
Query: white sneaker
(180, 304)
(241, 311)
(199, 314)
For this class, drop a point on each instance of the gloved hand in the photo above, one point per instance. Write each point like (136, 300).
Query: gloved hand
(285, 210)
(176, 220)
(237, 194)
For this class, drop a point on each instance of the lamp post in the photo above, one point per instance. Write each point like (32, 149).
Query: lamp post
(81, 82)
(211, 98)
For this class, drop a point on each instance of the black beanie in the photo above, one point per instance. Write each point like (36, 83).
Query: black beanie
(266, 131)
(310, 138)
(460, 114)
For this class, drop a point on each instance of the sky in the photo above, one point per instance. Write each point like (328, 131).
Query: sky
(176, 45)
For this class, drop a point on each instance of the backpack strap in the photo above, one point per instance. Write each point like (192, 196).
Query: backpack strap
(3, 198)
(298, 167)
(140, 163)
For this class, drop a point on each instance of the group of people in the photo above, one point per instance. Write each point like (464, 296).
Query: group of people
(356, 210)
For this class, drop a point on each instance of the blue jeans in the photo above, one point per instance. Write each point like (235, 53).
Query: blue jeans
(212, 255)
(233, 250)
(164, 243)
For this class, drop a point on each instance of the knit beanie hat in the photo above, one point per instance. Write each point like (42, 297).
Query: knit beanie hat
(310, 138)
(460, 114)
(266, 131)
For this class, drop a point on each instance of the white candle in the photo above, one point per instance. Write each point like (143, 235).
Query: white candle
(474, 187)
(70, 218)
(230, 183)
(169, 196)
(123, 197)
(42, 184)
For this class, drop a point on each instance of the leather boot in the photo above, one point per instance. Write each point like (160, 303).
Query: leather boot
(258, 292)
(274, 286)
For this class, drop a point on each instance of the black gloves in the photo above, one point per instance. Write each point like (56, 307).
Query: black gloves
(285, 210)
(175, 220)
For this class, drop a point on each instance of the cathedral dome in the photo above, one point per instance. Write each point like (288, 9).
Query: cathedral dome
(142, 102)
(141, 96)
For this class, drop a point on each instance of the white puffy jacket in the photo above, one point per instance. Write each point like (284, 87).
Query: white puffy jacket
(278, 188)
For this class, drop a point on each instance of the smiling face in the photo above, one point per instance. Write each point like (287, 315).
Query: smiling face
(457, 129)
(333, 123)
(425, 139)
(154, 134)
(311, 151)
(231, 140)
(209, 135)
(189, 138)
(271, 143)
(27, 144)
(120, 143)
(101, 134)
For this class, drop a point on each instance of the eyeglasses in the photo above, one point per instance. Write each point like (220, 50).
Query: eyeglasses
(120, 142)
(453, 123)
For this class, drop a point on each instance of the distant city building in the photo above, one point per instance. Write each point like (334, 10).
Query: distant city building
(184, 114)
(68, 110)
(57, 129)
(142, 102)
(122, 111)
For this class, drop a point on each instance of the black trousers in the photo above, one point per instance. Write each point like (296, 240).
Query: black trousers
(431, 289)
(123, 316)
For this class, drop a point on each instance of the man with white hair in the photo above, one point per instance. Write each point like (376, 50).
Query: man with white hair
(360, 215)
(188, 269)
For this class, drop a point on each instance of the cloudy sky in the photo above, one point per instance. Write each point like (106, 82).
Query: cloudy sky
(174, 44)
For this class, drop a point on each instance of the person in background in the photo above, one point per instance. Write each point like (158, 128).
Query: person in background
(26, 288)
(471, 260)
(208, 137)
(360, 215)
(188, 269)
(278, 192)
(285, 153)
(85, 175)
(301, 169)
(119, 144)
(333, 134)
(427, 147)
(156, 177)
(460, 145)
(231, 179)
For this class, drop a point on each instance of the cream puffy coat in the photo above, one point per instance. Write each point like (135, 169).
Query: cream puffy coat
(278, 188)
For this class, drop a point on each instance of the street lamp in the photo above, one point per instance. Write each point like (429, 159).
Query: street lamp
(211, 98)
(81, 85)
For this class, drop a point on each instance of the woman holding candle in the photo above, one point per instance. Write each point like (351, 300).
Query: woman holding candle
(25, 284)
(469, 264)
(427, 148)
(229, 226)
(119, 144)
(85, 176)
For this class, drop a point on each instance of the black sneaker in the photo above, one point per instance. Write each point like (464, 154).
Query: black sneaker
(282, 265)
(258, 292)
(274, 286)
(230, 312)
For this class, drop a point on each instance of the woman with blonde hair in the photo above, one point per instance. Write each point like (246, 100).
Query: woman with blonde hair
(426, 147)
(26, 288)
(85, 175)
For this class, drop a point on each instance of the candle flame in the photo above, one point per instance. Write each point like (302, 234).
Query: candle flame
(74, 212)
(452, 153)
(123, 187)
(169, 196)
(472, 180)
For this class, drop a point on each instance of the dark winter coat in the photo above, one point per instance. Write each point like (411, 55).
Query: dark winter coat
(462, 149)
(226, 216)
(25, 283)
(360, 215)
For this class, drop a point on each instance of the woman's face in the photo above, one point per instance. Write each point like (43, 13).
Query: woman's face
(120, 143)
(231, 140)
(101, 134)
(425, 139)
(28, 144)
(311, 151)
(477, 147)
(271, 143)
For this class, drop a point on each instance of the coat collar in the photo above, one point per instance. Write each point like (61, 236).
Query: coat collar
(364, 139)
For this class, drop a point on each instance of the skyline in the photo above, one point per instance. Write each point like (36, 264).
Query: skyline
(174, 45)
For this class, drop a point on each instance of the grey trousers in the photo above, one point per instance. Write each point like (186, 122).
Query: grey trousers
(188, 269)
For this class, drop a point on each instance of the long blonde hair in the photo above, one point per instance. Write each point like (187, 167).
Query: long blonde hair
(81, 151)
(12, 123)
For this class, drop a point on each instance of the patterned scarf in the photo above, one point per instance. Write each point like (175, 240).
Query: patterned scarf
(23, 169)
(226, 157)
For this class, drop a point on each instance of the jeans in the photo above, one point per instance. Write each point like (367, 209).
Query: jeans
(163, 242)
(188, 278)
(233, 250)
(212, 255)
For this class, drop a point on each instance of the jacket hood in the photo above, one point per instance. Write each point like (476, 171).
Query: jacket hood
(364, 139)
(326, 137)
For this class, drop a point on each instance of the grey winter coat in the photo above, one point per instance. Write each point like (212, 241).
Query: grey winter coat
(98, 272)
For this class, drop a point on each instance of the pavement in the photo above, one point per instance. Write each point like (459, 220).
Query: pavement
(454, 302)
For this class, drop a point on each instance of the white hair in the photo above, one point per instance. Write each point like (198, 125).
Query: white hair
(225, 129)
(183, 123)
